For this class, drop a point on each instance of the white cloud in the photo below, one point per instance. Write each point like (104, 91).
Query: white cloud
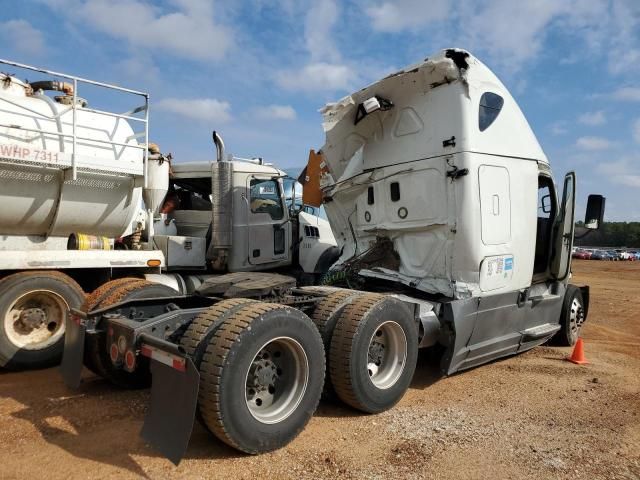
(558, 128)
(592, 118)
(627, 180)
(324, 71)
(394, 16)
(276, 112)
(23, 37)
(185, 29)
(202, 109)
(625, 171)
(593, 143)
(512, 32)
(138, 67)
(636, 130)
(318, 77)
(320, 20)
(627, 94)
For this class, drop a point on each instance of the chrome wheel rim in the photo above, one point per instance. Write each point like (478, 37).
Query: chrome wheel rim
(276, 380)
(36, 320)
(576, 317)
(387, 355)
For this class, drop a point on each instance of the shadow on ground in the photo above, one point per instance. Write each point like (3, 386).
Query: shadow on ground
(99, 422)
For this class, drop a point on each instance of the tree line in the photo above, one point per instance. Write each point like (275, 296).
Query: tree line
(612, 234)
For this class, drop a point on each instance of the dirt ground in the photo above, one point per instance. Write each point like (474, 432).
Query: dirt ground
(529, 416)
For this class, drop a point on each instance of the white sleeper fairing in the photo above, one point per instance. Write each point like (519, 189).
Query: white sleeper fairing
(444, 164)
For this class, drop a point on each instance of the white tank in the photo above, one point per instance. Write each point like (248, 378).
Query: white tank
(35, 198)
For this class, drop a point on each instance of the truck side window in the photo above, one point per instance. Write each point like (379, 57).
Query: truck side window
(490, 106)
(265, 198)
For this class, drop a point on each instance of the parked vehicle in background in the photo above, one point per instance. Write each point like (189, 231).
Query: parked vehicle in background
(612, 255)
(599, 255)
(581, 254)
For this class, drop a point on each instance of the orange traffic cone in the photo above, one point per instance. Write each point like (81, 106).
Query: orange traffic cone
(577, 356)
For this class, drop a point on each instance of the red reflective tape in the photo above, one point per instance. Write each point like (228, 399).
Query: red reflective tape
(146, 351)
(180, 364)
(169, 359)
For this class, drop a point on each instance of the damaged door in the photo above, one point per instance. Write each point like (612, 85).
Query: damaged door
(563, 234)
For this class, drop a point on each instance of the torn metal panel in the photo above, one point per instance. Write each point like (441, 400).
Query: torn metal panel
(402, 158)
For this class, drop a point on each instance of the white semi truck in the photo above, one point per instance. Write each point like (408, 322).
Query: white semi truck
(450, 232)
(82, 201)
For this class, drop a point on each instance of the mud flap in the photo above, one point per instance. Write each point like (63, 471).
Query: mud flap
(73, 355)
(169, 420)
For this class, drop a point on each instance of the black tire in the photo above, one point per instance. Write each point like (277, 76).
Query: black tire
(325, 316)
(49, 295)
(224, 399)
(97, 352)
(351, 368)
(92, 302)
(572, 317)
(197, 335)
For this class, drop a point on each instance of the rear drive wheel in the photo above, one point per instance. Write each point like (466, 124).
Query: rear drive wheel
(325, 316)
(261, 377)
(572, 317)
(34, 307)
(197, 336)
(97, 352)
(373, 353)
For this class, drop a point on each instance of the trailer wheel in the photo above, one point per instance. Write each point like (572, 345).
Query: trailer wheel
(98, 355)
(33, 311)
(325, 316)
(572, 317)
(373, 353)
(261, 377)
(196, 338)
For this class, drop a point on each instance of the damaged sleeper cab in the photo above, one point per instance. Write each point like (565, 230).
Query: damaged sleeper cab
(450, 231)
(451, 174)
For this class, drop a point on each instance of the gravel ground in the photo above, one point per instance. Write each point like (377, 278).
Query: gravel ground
(529, 416)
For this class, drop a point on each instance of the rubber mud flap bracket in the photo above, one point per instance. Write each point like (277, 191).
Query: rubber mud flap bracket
(73, 355)
(171, 414)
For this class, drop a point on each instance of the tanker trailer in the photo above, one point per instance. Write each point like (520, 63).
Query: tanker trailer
(83, 202)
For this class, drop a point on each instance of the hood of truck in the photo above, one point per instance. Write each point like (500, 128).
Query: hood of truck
(428, 113)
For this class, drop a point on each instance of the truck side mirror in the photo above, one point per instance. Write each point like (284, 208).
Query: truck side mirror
(595, 212)
(546, 204)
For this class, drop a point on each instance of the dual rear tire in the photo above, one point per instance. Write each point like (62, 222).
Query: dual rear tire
(261, 375)
(372, 352)
(262, 365)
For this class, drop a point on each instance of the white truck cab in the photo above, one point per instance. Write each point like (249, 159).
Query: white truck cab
(257, 226)
(435, 168)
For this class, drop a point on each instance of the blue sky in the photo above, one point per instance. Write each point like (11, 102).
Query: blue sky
(259, 70)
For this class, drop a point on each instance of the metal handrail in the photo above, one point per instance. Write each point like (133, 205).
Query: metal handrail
(74, 107)
(70, 135)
